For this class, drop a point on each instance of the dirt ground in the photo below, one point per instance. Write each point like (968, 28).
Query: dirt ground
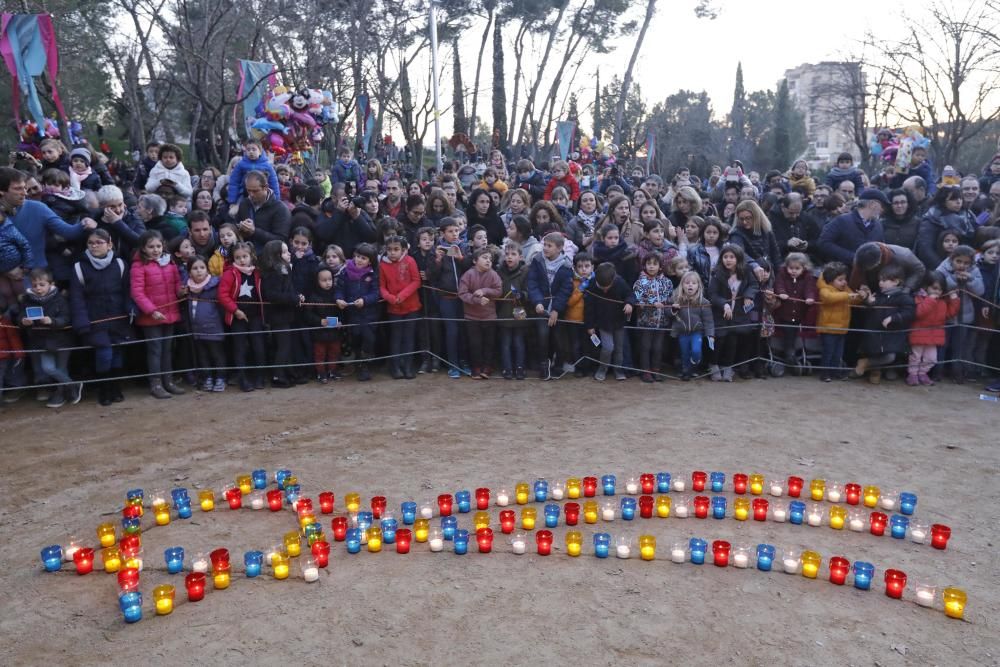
(66, 470)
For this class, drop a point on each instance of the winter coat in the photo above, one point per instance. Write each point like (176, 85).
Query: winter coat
(513, 292)
(720, 293)
(229, 294)
(931, 316)
(574, 307)
(473, 280)
(632, 232)
(50, 337)
(100, 302)
(834, 308)
(534, 183)
(700, 261)
(11, 346)
(804, 228)
(756, 246)
(281, 297)
(646, 248)
(496, 231)
(36, 221)
(581, 225)
(304, 271)
(603, 309)
(446, 272)
(178, 174)
(933, 224)
(15, 251)
(235, 189)
(219, 261)
(692, 319)
(924, 170)
(339, 228)
(973, 286)
(793, 310)
(204, 315)
(842, 236)
(552, 295)
(878, 340)
(892, 255)
(838, 176)
(806, 185)
(124, 233)
(622, 256)
(648, 291)
(154, 287)
(569, 182)
(991, 292)
(364, 287)
(400, 281)
(902, 230)
(315, 316)
(271, 220)
(345, 171)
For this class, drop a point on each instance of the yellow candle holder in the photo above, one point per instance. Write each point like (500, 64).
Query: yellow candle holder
(647, 547)
(293, 543)
(838, 517)
(421, 527)
(954, 602)
(528, 517)
(741, 509)
(810, 564)
(279, 562)
(353, 502)
(245, 482)
(206, 498)
(574, 542)
(306, 520)
(756, 484)
(162, 514)
(134, 561)
(817, 489)
(481, 520)
(112, 559)
(871, 496)
(163, 595)
(220, 579)
(522, 493)
(374, 539)
(590, 511)
(106, 534)
(573, 487)
(663, 506)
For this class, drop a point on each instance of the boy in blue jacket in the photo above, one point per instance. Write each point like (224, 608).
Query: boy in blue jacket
(550, 284)
(253, 160)
(607, 306)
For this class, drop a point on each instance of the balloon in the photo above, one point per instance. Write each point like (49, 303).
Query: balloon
(265, 125)
(277, 143)
(302, 118)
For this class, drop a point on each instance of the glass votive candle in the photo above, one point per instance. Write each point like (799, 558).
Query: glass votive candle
(52, 558)
(281, 475)
(106, 534)
(132, 558)
(543, 541)
(955, 600)
(741, 556)
(519, 543)
(573, 488)
(444, 502)
(895, 583)
(219, 558)
(552, 515)
(647, 483)
(740, 481)
(338, 526)
(602, 544)
(663, 482)
(245, 482)
(259, 478)
(482, 498)
(871, 494)
(589, 487)
(817, 489)
(811, 560)
(409, 511)
(898, 525)
(199, 563)
(678, 484)
(835, 492)
(940, 534)
(352, 501)
(720, 553)
(756, 484)
(435, 540)
(463, 501)
(293, 543)
(717, 481)
(220, 578)
(130, 604)
(257, 500)
(632, 485)
(918, 532)
(663, 506)
(83, 559)
(719, 507)
(877, 523)
(572, 513)
(484, 540)
(481, 520)
(326, 499)
(275, 500)
(252, 563)
(233, 496)
(378, 505)
(776, 488)
(925, 594)
(646, 507)
(815, 516)
(403, 538)
(310, 570)
(194, 582)
(647, 547)
(765, 557)
(574, 543)
(790, 560)
(794, 486)
(741, 509)
(449, 525)
(759, 507)
(852, 493)
(623, 546)
(280, 561)
(701, 506)
(608, 484)
(163, 596)
(503, 497)
(856, 519)
(389, 525)
(557, 490)
(698, 480)
(608, 510)
(681, 507)
(130, 526)
(522, 493)
(628, 505)
(779, 511)
(838, 517)
(907, 503)
(128, 579)
(678, 552)
(174, 557)
(528, 516)
(352, 541)
(206, 499)
(508, 520)
(697, 547)
(839, 567)
(364, 520)
(590, 512)
(888, 500)
(111, 558)
(375, 539)
(292, 493)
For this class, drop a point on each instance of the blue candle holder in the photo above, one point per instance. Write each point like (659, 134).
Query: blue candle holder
(131, 605)
(292, 493)
(551, 516)
(719, 507)
(608, 483)
(907, 502)
(311, 530)
(131, 525)
(280, 476)
(463, 501)
(52, 558)
(602, 544)
(765, 557)
(663, 482)
(898, 525)
(796, 512)
(449, 525)
(179, 495)
(698, 547)
(628, 508)
(409, 511)
(134, 496)
(184, 509)
(353, 540)
(389, 525)
(863, 574)
(174, 556)
(259, 478)
(461, 541)
(253, 561)
(365, 520)
(541, 490)
(717, 480)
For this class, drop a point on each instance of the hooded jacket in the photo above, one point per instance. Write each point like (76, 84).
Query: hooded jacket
(898, 305)
(178, 174)
(931, 316)
(55, 335)
(400, 280)
(603, 309)
(551, 294)
(972, 288)
(491, 285)
(834, 308)
(204, 315)
(934, 223)
(154, 287)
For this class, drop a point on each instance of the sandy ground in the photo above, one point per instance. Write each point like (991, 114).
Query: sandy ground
(65, 471)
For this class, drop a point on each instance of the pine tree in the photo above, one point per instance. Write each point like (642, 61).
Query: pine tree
(737, 118)
(573, 113)
(782, 127)
(461, 124)
(499, 90)
(597, 107)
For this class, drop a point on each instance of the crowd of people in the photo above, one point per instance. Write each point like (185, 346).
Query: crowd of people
(262, 275)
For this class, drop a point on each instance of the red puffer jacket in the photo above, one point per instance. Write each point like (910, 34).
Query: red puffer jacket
(932, 314)
(400, 280)
(154, 288)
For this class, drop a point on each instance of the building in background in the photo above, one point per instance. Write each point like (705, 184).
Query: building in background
(831, 97)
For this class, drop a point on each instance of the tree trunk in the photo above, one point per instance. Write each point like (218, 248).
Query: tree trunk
(499, 88)
(518, 53)
(473, 120)
(530, 105)
(627, 81)
(193, 137)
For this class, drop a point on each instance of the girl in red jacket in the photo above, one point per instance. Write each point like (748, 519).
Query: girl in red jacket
(399, 286)
(242, 305)
(928, 333)
(795, 289)
(156, 291)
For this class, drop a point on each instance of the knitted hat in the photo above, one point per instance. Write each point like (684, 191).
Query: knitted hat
(81, 153)
(874, 194)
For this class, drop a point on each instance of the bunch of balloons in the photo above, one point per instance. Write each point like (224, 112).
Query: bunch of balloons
(31, 135)
(290, 123)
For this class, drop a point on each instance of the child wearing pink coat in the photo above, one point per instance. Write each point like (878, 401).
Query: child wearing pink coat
(156, 291)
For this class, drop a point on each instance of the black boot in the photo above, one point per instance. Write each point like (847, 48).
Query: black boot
(115, 391)
(104, 396)
(363, 375)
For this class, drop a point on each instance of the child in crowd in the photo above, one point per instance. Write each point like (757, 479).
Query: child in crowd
(519, 233)
(692, 321)
(889, 314)
(181, 252)
(280, 308)
(478, 289)
(156, 290)
(562, 177)
(399, 287)
(933, 310)
(204, 319)
(654, 240)
(229, 236)
(674, 268)
(81, 176)
(477, 237)
(549, 284)
(54, 155)
(70, 204)
(44, 317)
(174, 221)
(989, 268)
(427, 334)
(560, 199)
(962, 274)
(578, 341)
(170, 172)
(253, 159)
(607, 307)
(704, 256)
(450, 263)
(240, 296)
(305, 263)
(795, 288)
(325, 335)
(357, 295)
(334, 259)
(653, 293)
(834, 318)
(611, 247)
(732, 291)
(511, 314)
(389, 228)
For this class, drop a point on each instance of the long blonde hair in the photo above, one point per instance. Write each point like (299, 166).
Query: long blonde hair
(761, 225)
(682, 299)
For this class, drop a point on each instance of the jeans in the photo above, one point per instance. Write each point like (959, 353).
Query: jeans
(737, 347)
(612, 348)
(453, 314)
(53, 366)
(833, 352)
(210, 358)
(546, 334)
(482, 339)
(511, 347)
(651, 348)
(690, 345)
(158, 345)
(107, 359)
(402, 332)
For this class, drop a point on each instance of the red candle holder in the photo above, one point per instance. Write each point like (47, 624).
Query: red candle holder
(339, 528)
(839, 567)
(647, 482)
(720, 552)
(132, 511)
(444, 504)
(128, 579)
(326, 500)
(84, 560)
(646, 507)
(701, 505)
(572, 513)
(895, 583)
(589, 487)
(940, 534)
(759, 507)
(484, 538)
(129, 543)
(482, 498)
(852, 494)
(878, 521)
(195, 584)
(740, 482)
(378, 507)
(304, 506)
(321, 553)
(698, 479)
(234, 497)
(403, 538)
(795, 485)
(543, 539)
(508, 519)
(220, 559)
(275, 499)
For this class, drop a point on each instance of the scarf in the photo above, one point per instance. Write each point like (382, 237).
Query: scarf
(198, 287)
(164, 259)
(552, 266)
(355, 272)
(102, 262)
(245, 270)
(75, 177)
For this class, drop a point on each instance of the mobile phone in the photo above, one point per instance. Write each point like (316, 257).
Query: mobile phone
(34, 313)
(595, 340)
(332, 322)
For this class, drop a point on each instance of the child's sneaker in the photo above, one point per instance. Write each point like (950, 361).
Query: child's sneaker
(620, 376)
(322, 379)
(926, 381)
(716, 373)
(74, 392)
(219, 386)
(658, 376)
(207, 385)
(454, 373)
(56, 400)
(507, 374)
(601, 374)
(912, 380)
(519, 373)
(990, 387)
(727, 375)
(475, 373)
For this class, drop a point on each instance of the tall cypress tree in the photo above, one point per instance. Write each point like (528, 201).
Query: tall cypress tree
(597, 106)
(782, 127)
(737, 118)
(461, 125)
(499, 89)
